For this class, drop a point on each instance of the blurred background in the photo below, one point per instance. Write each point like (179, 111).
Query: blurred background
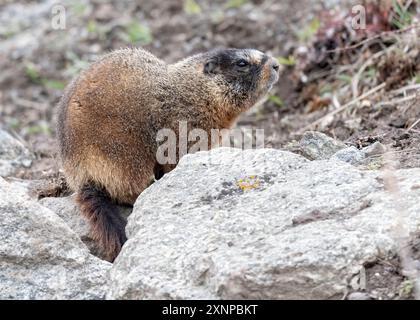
(328, 66)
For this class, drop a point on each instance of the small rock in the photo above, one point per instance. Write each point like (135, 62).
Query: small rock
(318, 146)
(350, 155)
(391, 295)
(13, 155)
(399, 122)
(374, 149)
(365, 104)
(105, 12)
(359, 296)
(353, 124)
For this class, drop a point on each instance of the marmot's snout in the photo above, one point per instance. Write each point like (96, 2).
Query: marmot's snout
(273, 68)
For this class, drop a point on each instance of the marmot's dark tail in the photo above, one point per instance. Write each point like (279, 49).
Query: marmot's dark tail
(107, 226)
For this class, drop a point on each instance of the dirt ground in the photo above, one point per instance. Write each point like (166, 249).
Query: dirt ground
(37, 62)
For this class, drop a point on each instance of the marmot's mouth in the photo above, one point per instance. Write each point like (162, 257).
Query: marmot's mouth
(274, 77)
(270, 73)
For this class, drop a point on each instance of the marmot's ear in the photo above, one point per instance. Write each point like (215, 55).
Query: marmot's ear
(211, 66)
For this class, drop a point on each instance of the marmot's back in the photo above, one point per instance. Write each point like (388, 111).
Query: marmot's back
(104, 122)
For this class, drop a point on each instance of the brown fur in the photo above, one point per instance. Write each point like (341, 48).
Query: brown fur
(110, 115)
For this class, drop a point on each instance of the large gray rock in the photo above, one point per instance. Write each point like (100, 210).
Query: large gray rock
(40, 257)
(67, 209)
(13, 154)
(260, 224)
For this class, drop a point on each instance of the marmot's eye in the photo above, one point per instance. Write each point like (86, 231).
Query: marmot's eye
(242, 63)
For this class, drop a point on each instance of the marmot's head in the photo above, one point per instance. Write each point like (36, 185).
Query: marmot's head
(245, 75)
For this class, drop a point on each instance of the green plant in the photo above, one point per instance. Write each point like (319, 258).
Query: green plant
(32, 72)
(39, 128)
(14, 123)
(402, 17)
(276, 100)
(235, 4)
(76, 64)
(344, 78)
(406, 289)
(91, 26)
(326, 88)
(53, 84)
(289, 61)
(34, 75)
(79, 8)
(138, 33)
(191, 7)
(309, 31)
(370, 73)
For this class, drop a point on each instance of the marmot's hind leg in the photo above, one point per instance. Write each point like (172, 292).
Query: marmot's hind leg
(107, 226)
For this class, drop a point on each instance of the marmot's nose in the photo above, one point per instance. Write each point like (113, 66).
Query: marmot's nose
(274, 64)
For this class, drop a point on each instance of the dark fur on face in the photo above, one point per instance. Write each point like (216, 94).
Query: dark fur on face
(248, 72)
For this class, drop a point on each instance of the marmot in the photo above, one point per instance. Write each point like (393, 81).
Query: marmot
(109, 116)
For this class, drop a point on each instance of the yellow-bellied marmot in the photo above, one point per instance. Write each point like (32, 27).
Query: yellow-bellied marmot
(109, 117)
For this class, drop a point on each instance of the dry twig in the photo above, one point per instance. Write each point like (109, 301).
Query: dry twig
(378, 36)
(363, 96)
